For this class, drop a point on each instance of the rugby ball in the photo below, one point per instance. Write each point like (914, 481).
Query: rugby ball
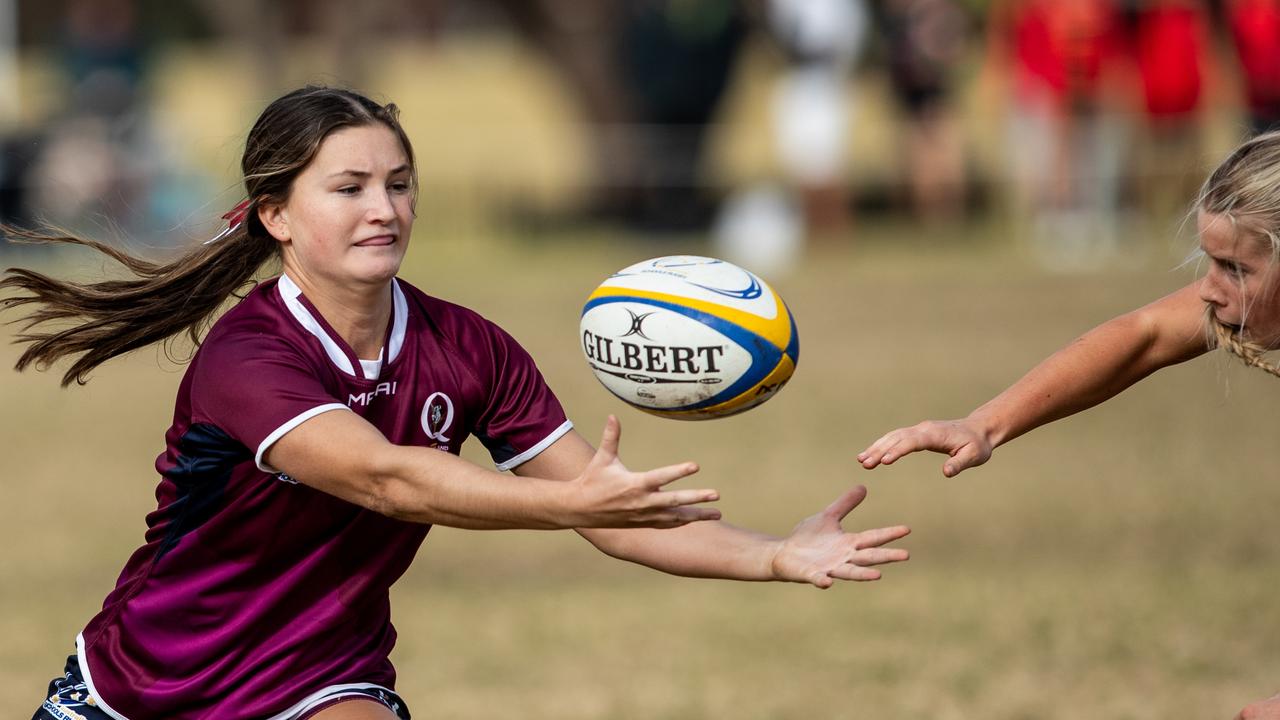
(689, 337)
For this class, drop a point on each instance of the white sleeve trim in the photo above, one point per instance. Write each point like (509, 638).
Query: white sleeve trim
(532, 452)
(88, 680)
(291, 424)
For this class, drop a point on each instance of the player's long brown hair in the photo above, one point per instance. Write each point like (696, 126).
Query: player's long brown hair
(163, 299)
(1245, 188)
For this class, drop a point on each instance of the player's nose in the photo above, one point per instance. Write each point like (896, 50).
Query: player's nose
(381, 207)
(1210, 289)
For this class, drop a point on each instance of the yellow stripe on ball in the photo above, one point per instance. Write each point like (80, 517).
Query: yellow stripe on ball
(746, 400)
(776, 330)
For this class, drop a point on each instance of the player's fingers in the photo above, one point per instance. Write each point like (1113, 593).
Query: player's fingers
(658, 477)
(874, 454)
(903, 444)
(868, 451)
(965, 458)
(928, 435)
(844, 504)
(880, 443)
(610, 437)
(677, 517)
(921, 437)
(821, 580)
(879, 556)
(682, 498)
(880, 536)
(856, 573)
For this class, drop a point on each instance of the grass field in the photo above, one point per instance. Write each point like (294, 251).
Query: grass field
(1121, 564)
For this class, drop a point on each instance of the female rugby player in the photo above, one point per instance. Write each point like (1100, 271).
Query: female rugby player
(1235, 306)
(315, 441)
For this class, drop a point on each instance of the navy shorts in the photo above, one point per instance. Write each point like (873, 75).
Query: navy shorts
(69, 699)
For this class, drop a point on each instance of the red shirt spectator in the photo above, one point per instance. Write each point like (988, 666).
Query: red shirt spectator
(1255, 28)
(1062, 47)
(1169, 47)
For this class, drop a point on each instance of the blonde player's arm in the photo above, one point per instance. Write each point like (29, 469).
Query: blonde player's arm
(817, 551)
(1268, 709)
(1095, 367)
(340, 453)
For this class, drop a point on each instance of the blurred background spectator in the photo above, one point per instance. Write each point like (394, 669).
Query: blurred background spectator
(647, 77)
(1171, 48)
(1065, 65)
(1255, 30)
(927, 45)
(751, 125)
(93, 155)
(812, 103)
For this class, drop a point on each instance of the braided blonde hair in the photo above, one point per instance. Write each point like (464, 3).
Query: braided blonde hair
(1229, 338)
(1245, 189)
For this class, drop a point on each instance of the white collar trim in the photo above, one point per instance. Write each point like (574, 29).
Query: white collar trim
(290, 292)
(400, 311)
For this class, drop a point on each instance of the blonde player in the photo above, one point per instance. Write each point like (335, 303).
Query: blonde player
(1236, 306)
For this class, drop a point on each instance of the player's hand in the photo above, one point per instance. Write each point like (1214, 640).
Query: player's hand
(607, 494)
(967, 445)
(1268, 709)
(820, 552)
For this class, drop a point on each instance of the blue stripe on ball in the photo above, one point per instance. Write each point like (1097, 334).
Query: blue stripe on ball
(793, 345)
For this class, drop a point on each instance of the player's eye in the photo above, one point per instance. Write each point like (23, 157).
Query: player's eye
(1230, 267)
(399, 186)
(349, 189)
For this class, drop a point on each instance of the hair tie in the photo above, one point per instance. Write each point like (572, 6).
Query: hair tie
(234, 218)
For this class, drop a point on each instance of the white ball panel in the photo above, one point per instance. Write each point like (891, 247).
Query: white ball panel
(692, 275)
(651, 356)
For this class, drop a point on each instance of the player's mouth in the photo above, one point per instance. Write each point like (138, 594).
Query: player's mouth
(1215, 312)
(1235, 327)
(377, 241)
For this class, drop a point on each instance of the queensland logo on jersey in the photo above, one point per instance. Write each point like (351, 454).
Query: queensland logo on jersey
(437, 416)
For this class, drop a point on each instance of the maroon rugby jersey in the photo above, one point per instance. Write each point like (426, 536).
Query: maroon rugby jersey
(254, 592)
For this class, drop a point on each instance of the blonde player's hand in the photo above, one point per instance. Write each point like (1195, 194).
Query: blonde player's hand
(1268, 709)
(819, 552)
(967, 445)
(607, 494)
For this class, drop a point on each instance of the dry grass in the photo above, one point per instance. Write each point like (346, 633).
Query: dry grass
(1120, 564)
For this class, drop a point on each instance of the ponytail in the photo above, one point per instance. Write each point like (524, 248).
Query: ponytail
(113, 317)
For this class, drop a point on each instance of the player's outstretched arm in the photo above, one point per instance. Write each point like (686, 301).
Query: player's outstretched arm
(340, 453)
(1095, 367)
(818, 551)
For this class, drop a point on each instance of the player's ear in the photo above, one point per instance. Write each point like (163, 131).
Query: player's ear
(274, 218)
